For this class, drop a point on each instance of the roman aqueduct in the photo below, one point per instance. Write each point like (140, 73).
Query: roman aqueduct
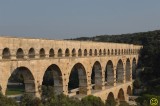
(103, 69)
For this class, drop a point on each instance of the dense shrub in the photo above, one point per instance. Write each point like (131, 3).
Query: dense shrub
(4, 101)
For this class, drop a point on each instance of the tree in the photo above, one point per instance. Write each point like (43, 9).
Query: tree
(92, 101)
(137, 84)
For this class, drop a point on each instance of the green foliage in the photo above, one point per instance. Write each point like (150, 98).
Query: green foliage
(149, 56)
(62, 100)
(29, 100)
(150, 78)
(92, 101)
(26, 100)
(145, 99)
(4, 101)
(47, 92)
(137, 84)
(15, 89)
(50, 99)
(111, 102)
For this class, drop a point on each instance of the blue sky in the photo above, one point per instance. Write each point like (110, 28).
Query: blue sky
(61, 19)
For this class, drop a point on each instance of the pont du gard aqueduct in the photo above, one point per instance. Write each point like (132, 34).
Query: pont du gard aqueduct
(102, 69)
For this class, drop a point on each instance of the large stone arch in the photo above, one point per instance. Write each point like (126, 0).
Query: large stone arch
(96, 75)
(121, 95)
(119, 72)
(109, 73)
(134, 65)
(110, 101)
(53, 77)
(128, 70)
(78, 79)
(110, 96)
(26, 77)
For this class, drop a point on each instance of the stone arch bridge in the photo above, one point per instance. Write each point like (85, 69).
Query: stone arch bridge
(103, 69)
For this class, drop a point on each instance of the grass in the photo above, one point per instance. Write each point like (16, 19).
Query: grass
(15, 89)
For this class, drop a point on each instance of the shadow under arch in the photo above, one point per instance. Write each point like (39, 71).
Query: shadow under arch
(20, 53)
(31, 53)
(119, 72)
(128, 70)
(95, 52)
(53, 77)
(129, 90)
(109, 73)
(6, 53)
(121, 96)
(74, 52)
(42, 53)
(134, 65)
(110, 101)
(51, 52)
(90, 52)
(78, 80)
(79, 52)
(67, 53)
(96, 76)
(85, 52)
(60, 54)
(21, 81)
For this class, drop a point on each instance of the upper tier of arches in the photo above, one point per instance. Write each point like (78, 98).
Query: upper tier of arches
(19, 53)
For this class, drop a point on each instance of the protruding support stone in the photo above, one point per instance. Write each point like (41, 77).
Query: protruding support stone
(84, 90)
(30, 87)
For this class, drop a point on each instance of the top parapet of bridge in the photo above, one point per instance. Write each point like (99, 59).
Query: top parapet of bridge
(42, 42)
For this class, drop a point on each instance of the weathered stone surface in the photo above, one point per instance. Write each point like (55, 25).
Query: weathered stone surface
(79, 52)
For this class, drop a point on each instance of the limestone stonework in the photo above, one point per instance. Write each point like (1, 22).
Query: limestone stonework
(113, 64)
